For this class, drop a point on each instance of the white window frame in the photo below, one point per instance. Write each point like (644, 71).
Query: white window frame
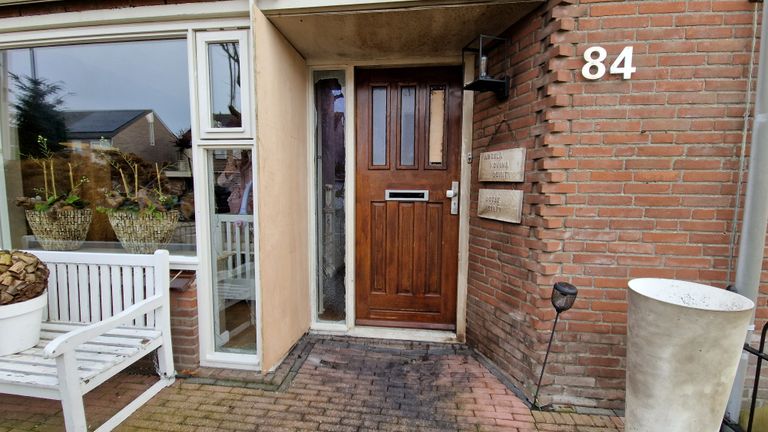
(202, 41)
(224, 138)
(151, 23)
(209, 357)
(315, 207)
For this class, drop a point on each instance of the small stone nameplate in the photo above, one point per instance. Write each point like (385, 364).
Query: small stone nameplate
(502, 166)
(499, 204)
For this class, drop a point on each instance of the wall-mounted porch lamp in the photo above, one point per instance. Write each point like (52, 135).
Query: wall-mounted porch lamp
(563, 296)
(486, 47)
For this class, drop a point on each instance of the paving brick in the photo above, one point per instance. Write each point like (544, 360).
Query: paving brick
(398, 387)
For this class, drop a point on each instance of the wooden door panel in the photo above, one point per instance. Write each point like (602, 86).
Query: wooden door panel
(433, 247)
(378, 244)
(407, 251)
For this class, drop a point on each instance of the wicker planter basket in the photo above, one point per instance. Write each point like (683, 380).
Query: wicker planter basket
(62, 230)
(143, 233)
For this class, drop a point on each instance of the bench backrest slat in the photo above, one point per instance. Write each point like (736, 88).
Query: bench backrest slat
(89, 287)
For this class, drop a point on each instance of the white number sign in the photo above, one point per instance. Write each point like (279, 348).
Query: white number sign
(621, 66)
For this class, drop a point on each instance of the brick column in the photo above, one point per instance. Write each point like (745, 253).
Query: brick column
(184, 325)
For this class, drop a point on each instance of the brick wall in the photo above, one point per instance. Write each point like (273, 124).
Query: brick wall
(134, 138)
(511, 265)
(184, 325)
(79, 6)
(638, 178)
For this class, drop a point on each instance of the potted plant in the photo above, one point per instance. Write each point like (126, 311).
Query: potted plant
(59, 221)
(143, 217)
(23, 279)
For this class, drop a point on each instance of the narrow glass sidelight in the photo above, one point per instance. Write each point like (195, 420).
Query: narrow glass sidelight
(330, 194)
(407, 126)
(224, 65)
(436, 125)
(233, 259)
(379, 126)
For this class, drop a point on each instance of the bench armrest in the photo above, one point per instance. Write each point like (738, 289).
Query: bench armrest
(68, 341)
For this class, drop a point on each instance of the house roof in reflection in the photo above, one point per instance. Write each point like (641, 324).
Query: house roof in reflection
(100, 123)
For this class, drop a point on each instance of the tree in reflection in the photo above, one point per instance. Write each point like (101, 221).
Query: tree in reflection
(231, 50)
(38, 114)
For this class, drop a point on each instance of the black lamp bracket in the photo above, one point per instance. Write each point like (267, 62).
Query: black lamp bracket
(482, 46)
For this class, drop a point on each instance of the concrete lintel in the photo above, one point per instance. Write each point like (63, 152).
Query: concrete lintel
(305, 7)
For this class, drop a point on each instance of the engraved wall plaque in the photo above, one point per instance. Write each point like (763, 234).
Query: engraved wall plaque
(500, 204)
(502, 166)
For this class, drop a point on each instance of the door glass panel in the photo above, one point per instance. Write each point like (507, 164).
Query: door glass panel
(224, 64)
(379, 128)
(329, 108)
(407, 125)
(232, 238)
(436, 125)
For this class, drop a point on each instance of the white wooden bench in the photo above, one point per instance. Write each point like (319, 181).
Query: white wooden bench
(105, 312)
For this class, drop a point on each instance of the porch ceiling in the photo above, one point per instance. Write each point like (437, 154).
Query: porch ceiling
(410, 31)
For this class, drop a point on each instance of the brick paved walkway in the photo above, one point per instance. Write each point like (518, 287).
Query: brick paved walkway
(328, 384)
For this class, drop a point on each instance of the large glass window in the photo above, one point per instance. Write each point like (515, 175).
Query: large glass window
(232, 232)
(330, 194)
(99, 128)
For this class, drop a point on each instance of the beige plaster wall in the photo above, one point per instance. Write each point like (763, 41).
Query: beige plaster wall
(281, 133)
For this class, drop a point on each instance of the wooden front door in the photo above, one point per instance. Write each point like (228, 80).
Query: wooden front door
(408, 153)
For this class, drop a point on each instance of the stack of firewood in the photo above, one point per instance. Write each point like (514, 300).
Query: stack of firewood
(22, 277)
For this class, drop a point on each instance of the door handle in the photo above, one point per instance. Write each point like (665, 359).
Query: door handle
(453, 194)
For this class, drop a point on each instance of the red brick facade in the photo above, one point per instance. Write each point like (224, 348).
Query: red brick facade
(185, 329)
(624, 179)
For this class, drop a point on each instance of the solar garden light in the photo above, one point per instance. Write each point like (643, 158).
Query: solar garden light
(563, 297)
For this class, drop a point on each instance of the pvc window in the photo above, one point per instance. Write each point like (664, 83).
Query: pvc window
(224, 105)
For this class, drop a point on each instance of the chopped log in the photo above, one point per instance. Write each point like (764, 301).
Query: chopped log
(17, 267)
(22, 277)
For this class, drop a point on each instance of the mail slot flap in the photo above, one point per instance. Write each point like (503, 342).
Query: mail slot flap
(406, 195)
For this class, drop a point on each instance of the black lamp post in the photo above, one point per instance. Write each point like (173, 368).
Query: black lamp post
(563, 296)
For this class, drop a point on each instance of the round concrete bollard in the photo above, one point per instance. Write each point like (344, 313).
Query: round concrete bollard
(684, 342)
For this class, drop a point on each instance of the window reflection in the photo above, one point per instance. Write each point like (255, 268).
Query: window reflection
(379, 129)
(92, 106)
(234, 283)
(330, 188)
(224, 61)
(407, 125)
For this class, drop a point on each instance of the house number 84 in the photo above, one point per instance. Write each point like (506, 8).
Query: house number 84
(622, 65)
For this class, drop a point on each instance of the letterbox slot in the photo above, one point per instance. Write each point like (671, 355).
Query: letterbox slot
(406, 195)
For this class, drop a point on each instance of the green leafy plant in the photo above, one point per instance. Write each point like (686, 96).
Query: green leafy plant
(148, 198)
(48, 198)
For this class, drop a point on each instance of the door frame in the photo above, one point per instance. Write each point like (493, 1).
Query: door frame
(349, 327)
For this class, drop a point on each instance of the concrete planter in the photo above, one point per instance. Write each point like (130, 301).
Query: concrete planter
(20, 324)
(683, 346)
